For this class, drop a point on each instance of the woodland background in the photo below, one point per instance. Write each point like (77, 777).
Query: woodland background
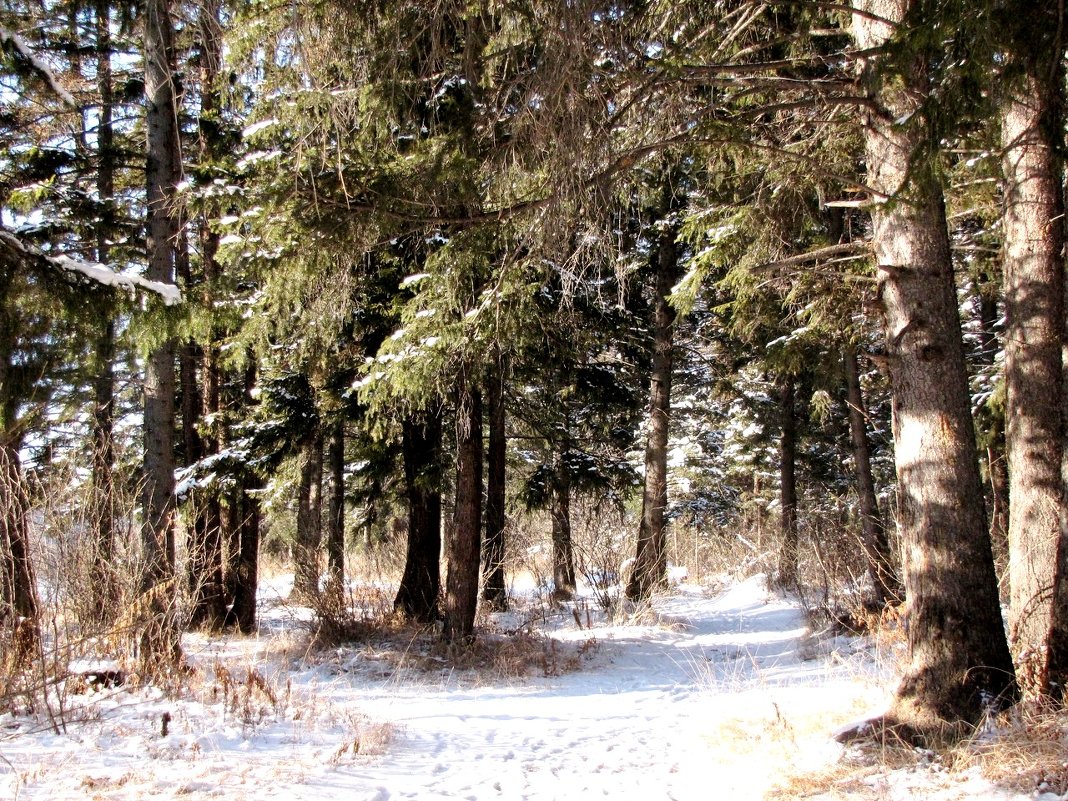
(451, 285)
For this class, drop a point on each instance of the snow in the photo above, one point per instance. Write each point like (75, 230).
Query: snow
(256, 127)
(103, 274)
(100, 273)
(722, 696)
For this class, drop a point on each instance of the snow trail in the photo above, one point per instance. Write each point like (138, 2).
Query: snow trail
(702, 703)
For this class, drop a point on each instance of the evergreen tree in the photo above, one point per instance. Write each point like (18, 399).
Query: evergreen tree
(1032, 122)
(955, 627)
(159, 641)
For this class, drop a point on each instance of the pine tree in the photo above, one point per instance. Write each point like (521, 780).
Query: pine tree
(159, 641)
(955, 627)
(1032, 120)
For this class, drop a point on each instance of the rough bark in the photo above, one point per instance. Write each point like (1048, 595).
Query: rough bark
(494, 591)
(244, 513)
(788, 533)
(650, 565)
(1034, 306)
(464, 542)
(874, 540)
(335, 509)
(958, 657)
(309, 520)
(102, 579)
(159, 642)
(560, 512)
(420, 585)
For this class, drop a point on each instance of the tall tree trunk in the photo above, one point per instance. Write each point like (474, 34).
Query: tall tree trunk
(420, 585)
(464, 542)
(244, 512)
(874, 541)
(1031, 131)
(335, 510)
(560, 512)
(788, 534)
(309, 520)
(159, 641)
(205, 551)
(494, 591)
(650, 565)
(102, 579)
(958, 656)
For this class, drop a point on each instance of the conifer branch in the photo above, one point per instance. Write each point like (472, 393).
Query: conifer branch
(845, 250)
(16, 253)
(25, 57)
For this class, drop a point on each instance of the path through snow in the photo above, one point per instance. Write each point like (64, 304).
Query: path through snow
(721, 699)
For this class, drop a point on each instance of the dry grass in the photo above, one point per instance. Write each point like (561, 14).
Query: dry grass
(406, 652)
(1027, 751)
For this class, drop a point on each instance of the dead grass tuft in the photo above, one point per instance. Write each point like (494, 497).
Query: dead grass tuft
(1027, 751)
(369, 738)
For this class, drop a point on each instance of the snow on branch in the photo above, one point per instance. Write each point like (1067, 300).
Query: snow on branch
(12, 248)
(11, 40)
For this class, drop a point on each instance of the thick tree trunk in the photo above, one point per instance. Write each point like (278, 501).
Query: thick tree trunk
(159, 641)
(494, 592)
(309, 521)
(650, 565)
(464, 542)
(1031, 132)
(335, 510)
(560, 511)
(420, 585)
(788, 533)
(874, 540)
(959, 660)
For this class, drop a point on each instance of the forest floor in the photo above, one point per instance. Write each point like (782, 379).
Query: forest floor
(704, 695)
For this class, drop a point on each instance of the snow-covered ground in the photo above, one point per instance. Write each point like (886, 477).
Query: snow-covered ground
(722, 696)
